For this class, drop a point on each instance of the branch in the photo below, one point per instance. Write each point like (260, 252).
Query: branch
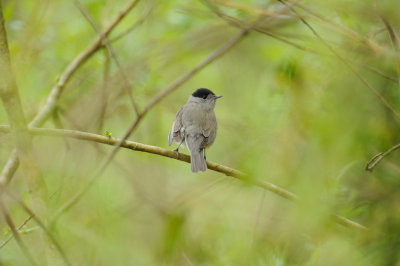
(10, 97)
(38, 221)
(16, 234)
(18, 228)
(377, 158)
(395, 41)
(76, 63)
(127, 86)
(171, 154)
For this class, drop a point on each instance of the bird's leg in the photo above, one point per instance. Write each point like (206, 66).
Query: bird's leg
(177, 148)
(205, 158)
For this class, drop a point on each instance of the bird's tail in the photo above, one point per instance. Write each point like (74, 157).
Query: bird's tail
(197, 161)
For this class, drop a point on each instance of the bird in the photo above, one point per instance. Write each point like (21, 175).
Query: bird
(195, 126)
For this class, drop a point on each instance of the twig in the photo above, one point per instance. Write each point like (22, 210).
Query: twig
(16, 234)
(127, 86)
(364, 81)
(377, 71)
(104, 93)
(11, 100)
(140, 21)
(377, 158)
(188, 261)
(18, 228)
(38, 221)
(76, 63)
(247, 8)
(170, 154)
(395, 41)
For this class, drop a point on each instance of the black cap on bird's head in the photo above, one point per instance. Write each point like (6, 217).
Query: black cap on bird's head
(204, 93)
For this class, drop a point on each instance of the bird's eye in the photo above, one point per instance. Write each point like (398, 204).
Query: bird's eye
(205, 97)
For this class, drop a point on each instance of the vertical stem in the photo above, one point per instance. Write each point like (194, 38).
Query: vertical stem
(22, 139)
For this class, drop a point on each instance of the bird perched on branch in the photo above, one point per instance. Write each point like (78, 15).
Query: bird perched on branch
(195, 126)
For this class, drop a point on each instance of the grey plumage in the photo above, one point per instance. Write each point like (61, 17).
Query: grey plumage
(195, 126)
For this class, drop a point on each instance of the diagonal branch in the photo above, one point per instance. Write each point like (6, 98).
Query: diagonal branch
(38, 221)
(12, 163)
(395, 41)
(378, 158)
(127, 86)
(18, 228)
(10, 98)
(16, 234)
(171, 154)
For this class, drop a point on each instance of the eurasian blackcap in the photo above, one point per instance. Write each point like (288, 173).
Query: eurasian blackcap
(196, 126)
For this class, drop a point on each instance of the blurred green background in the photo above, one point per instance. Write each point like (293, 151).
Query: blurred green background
(299, 118)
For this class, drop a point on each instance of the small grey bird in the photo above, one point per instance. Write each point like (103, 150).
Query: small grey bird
(196, 126)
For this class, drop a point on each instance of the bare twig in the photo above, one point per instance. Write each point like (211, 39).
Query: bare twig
(170, 154)
(188, 261)
(396, 44)
(16, 234)
(76, 63)
(18, 228)
(127, 85)
(104, 93)
(377, 71)
(10, 98)
(139, 22)
(378, 158)
(38, 221)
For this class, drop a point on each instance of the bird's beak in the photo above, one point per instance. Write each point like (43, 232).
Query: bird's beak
(217, 96)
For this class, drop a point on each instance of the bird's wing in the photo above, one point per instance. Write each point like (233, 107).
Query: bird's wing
(176, 127)
(209, 125)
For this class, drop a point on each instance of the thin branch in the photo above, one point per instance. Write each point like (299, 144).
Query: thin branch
(127, 85)
(139, 22)
(396, 45)
(104, 93)
(18, 228)
(378, 158)
(15, 233)
(39, 222)
(170, 154)
(188, 261)
(76, 63)
(377, 71)
(348, 64)
(11, 100)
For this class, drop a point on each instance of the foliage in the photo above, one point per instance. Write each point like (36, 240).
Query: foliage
(295, 113)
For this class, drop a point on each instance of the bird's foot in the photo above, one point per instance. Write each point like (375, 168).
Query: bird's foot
(177, 152)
